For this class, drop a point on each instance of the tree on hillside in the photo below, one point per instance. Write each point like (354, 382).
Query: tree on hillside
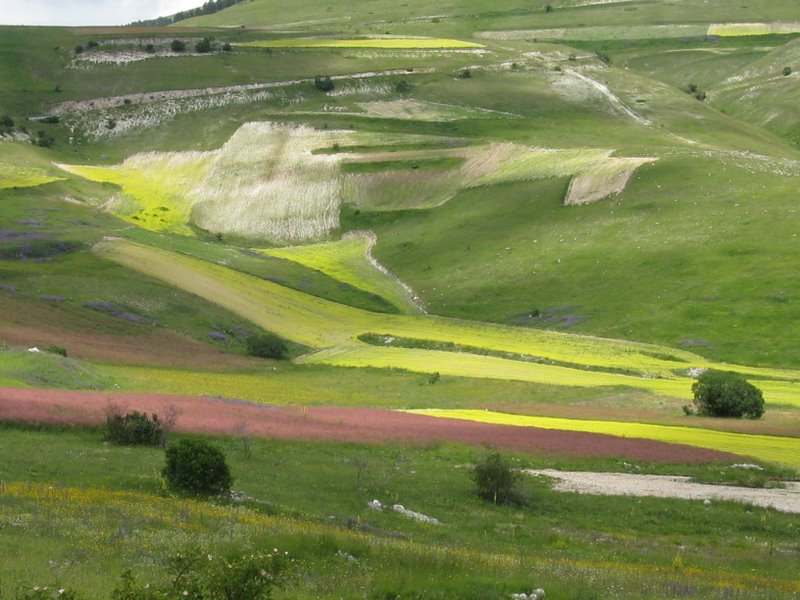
(323, 83)
(496, 481)
(203, 46)
(177, 46)
(266, 345)
(727, 394)
(197, 467)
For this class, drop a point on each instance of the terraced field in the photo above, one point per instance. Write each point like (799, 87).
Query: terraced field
(334, 328)
(775, 449)
(380, 43)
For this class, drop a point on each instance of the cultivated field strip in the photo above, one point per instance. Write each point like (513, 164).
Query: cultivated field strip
(349, 260)
(782, 450)
(602, 180)
(383, 42)
(334, 328)
(642, 32)
(21, 177)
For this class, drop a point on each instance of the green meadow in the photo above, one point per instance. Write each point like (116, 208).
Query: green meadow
(541, 215)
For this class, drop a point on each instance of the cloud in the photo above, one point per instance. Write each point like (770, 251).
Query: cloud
(88, 12)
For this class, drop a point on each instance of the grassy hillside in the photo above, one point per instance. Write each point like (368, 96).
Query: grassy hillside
(547, 215)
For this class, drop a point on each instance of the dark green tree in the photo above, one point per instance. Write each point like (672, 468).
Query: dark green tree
(496, 481)
(727, 394)
(203, 46)
(266, 345)
(197, 467)
(323, 83)
(177, 46)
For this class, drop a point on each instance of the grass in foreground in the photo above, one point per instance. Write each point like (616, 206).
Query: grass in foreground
(79, 512)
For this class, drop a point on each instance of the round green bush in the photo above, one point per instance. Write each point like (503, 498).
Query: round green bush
(197, 467)
(727, 394)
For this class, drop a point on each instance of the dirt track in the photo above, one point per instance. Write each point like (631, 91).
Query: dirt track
(670, 486)
(327, 423)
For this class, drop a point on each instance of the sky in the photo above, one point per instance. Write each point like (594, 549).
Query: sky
(88, 12)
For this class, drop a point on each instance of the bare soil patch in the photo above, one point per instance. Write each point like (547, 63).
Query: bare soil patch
(670, 486)
(90, 335)
(328, 423)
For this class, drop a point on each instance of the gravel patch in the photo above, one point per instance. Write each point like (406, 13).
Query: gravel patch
(670, 486)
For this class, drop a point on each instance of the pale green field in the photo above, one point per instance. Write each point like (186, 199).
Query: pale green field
(12, 176)
(346, 260)
(600, 32)
(334, 328)
(516, 163)
(603, 179)
(377, 43)
(264, 182)
(739, 29)
(644, 32)
(781, 450)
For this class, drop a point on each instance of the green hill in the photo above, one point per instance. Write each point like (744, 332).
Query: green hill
(555, 212)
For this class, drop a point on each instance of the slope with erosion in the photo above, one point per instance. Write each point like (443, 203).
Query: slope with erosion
(764, 92)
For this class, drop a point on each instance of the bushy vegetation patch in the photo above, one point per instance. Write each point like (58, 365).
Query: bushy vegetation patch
(266, 345)
(727, 394)
(197, 467)
(496, 481)
(133, 428)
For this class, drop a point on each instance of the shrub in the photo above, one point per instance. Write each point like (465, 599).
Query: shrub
(150, 48)
(323, 83)
(133, 428)
(78, 49)
(204, 574)
(266, 345)
(54, 349)
(203, 45)
(226, 47)
(496, 481)
(177, 46)
(42, 139)
(92, 44)
(787, 71)
(197, 467)
(727, 394)
(6, 121)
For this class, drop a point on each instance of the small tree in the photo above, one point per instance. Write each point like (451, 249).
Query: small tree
(226, 47)
(266, 345)
(323, 83)
(496, 481)
(177, 46)
(727, 394)
(203, 46)
(197, 467)
(787, 71)
(42, 139)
